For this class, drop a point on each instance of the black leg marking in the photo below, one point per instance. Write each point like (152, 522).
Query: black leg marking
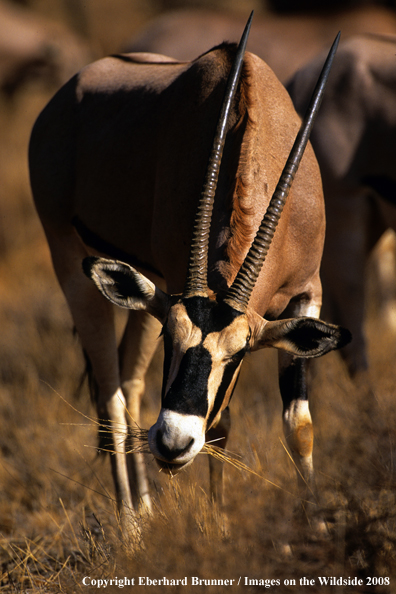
(293, 381)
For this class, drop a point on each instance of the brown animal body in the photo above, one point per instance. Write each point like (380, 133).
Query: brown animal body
(285, 42)
(32, 47)
(354, 140)
(118, 160)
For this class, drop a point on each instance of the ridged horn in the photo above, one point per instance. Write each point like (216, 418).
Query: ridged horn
(196, 281)
(239, 293)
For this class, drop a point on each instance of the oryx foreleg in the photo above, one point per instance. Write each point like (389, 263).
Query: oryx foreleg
(297, 421)
(298, 430)
(94, 321)
(137, 348)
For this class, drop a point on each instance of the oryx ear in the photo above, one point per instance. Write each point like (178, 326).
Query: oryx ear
(303, 337)
(124, 286)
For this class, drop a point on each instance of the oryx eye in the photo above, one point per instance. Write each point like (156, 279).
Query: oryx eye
(238, 356)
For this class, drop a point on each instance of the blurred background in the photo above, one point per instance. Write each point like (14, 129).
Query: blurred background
(57, 515)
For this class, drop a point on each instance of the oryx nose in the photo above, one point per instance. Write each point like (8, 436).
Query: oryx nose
(170, 449)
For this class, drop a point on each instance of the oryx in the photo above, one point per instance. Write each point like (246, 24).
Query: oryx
(118, 160)
(354, 140)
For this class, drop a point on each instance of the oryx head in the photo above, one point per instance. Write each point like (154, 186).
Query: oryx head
(206, 338)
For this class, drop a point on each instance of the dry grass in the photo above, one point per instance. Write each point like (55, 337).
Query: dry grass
(57, 515)
(58, 521)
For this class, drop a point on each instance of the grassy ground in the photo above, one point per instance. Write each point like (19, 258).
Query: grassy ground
(57, 516)
(58, 522)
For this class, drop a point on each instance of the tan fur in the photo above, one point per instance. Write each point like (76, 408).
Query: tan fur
(303, 439)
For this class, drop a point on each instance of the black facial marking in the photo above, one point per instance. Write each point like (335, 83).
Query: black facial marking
(208, 315)
(225, 383)
(168, 349)
(188, 393)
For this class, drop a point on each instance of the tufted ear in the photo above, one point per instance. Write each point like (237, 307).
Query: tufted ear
(126, 287)
(303, 337)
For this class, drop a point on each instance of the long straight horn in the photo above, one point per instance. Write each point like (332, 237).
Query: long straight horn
(196, 282)
(239, 293)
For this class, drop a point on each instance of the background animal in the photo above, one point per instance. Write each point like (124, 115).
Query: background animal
(355, 143)
(284, 41)
(33, 47)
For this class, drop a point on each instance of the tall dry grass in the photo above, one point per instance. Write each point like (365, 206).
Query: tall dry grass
(57, 515)
(58, 521)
